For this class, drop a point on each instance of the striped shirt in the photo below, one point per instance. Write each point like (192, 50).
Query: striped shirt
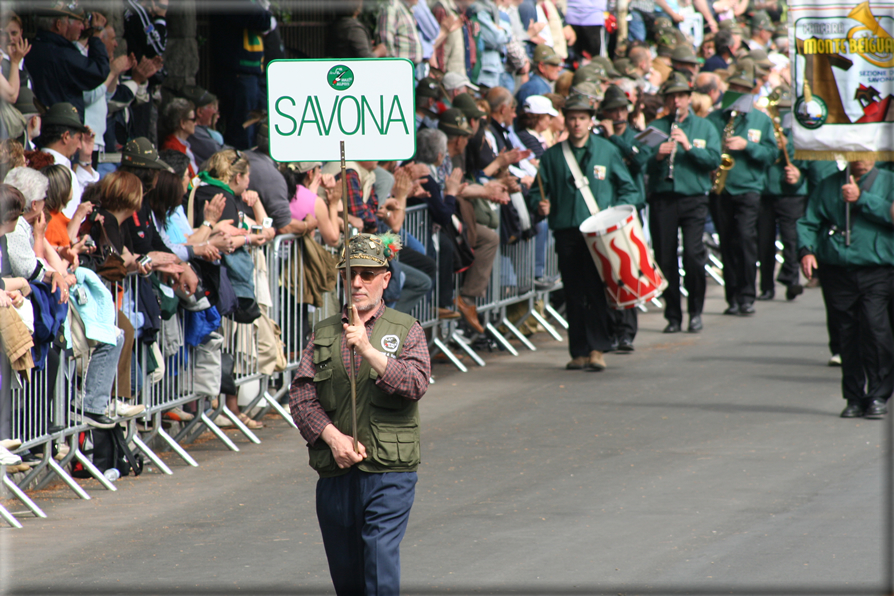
(407, 376)
(397, 30)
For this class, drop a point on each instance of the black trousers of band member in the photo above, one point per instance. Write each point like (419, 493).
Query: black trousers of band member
(667, 213)
(783, 212)
(860, 298)
(831, 324)
(735, 217)
(624, 323)
(589, 319)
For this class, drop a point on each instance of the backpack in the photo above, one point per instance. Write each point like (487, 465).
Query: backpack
(108, 449)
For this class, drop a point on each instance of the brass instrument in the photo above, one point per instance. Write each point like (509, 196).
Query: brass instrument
(670, 163)
(727, 162)
(773, 110)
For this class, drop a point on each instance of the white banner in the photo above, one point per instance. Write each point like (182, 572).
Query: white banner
(369, 104)
(843, 75)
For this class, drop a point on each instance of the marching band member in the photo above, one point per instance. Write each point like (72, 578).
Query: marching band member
(747, 138)
(680, 200)
(606, 179)
(781, 205)
(614, 111)
(856, 279)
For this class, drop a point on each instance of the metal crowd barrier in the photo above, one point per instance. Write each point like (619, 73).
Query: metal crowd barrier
(44, 400)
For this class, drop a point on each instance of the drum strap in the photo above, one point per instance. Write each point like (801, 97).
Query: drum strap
(580, 181)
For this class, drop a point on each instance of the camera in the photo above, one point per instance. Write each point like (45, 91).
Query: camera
(257, 229)
(89, 242)
(144, 260)
(80, 295)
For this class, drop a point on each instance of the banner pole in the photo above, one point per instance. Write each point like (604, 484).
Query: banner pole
(847, 208)
(349, 282)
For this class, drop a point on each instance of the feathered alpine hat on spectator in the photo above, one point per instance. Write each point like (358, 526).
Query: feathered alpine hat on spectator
(371, 250)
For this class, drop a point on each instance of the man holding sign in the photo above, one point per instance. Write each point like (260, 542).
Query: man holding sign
(367, 483)
(857, 278)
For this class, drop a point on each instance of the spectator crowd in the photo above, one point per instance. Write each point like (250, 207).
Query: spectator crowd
(503, 88)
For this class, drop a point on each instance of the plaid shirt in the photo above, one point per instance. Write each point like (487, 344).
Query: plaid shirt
(407, 376)
(356, 207)
(397, 30)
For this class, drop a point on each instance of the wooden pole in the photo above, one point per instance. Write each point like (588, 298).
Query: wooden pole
(349, 282)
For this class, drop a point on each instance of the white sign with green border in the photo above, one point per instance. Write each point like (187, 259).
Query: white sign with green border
(369, 104)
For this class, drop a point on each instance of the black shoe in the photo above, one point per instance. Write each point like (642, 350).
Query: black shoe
(746, 309)
(768, 295)
(625, 345)
(732, 310)
(673, 327)
(793, 291)
(695, 323)
(876, 409)
(99, 420)
(854, 409)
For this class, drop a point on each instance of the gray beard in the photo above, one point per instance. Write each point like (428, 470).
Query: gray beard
(370, 306)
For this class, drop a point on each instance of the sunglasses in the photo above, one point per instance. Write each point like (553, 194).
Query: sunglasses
(238, 157)
(367, 275)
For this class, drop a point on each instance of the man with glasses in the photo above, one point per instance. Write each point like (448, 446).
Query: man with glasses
(205, 141)
(547, 66)
(367, 482)
(59, 72)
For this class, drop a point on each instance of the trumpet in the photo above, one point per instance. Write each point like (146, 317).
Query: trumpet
(727, 162)
(670, 163)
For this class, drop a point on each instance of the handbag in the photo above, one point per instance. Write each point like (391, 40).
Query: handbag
(463, 253)
(227, 376)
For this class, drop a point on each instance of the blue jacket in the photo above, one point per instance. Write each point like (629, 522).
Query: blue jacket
(61, 73)
(536, 85)
(48, 318)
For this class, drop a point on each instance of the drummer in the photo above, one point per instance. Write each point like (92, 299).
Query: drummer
(681, 202)
(613, 113)
(609, 184)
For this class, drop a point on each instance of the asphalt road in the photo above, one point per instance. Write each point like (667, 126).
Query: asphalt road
(710, 463)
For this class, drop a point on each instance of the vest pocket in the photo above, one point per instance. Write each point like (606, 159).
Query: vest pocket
(320, 457)
(325, 391)
(395, 445)
(323, 349)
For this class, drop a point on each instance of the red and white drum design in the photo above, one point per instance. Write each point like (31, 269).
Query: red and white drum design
(624, 261)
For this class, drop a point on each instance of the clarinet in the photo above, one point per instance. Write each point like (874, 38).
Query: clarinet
(670, 165)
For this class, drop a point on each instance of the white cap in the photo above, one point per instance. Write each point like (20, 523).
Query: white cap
(537, 104)
(455, 80)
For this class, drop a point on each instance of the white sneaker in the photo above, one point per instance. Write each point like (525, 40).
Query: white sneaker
(124, 410)
(8, 458)
(835, 360)
(222, 421)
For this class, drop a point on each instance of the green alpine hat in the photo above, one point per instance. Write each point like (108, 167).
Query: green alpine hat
(610, 71)
(684, 54)
(584, 97)
(371, 250)
(591, 73)
(63, 114)
(141, 153)
(742, 75)
(676, 83)
(453, 123)
(614, 98)
(760, 20)
(25, 103)
(544, 53)
(428, 87)
(760, 58)
(466, 103)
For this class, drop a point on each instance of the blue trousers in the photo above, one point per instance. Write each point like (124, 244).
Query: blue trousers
(363, 518)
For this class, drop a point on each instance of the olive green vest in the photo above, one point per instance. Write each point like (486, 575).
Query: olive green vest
(387, 425)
